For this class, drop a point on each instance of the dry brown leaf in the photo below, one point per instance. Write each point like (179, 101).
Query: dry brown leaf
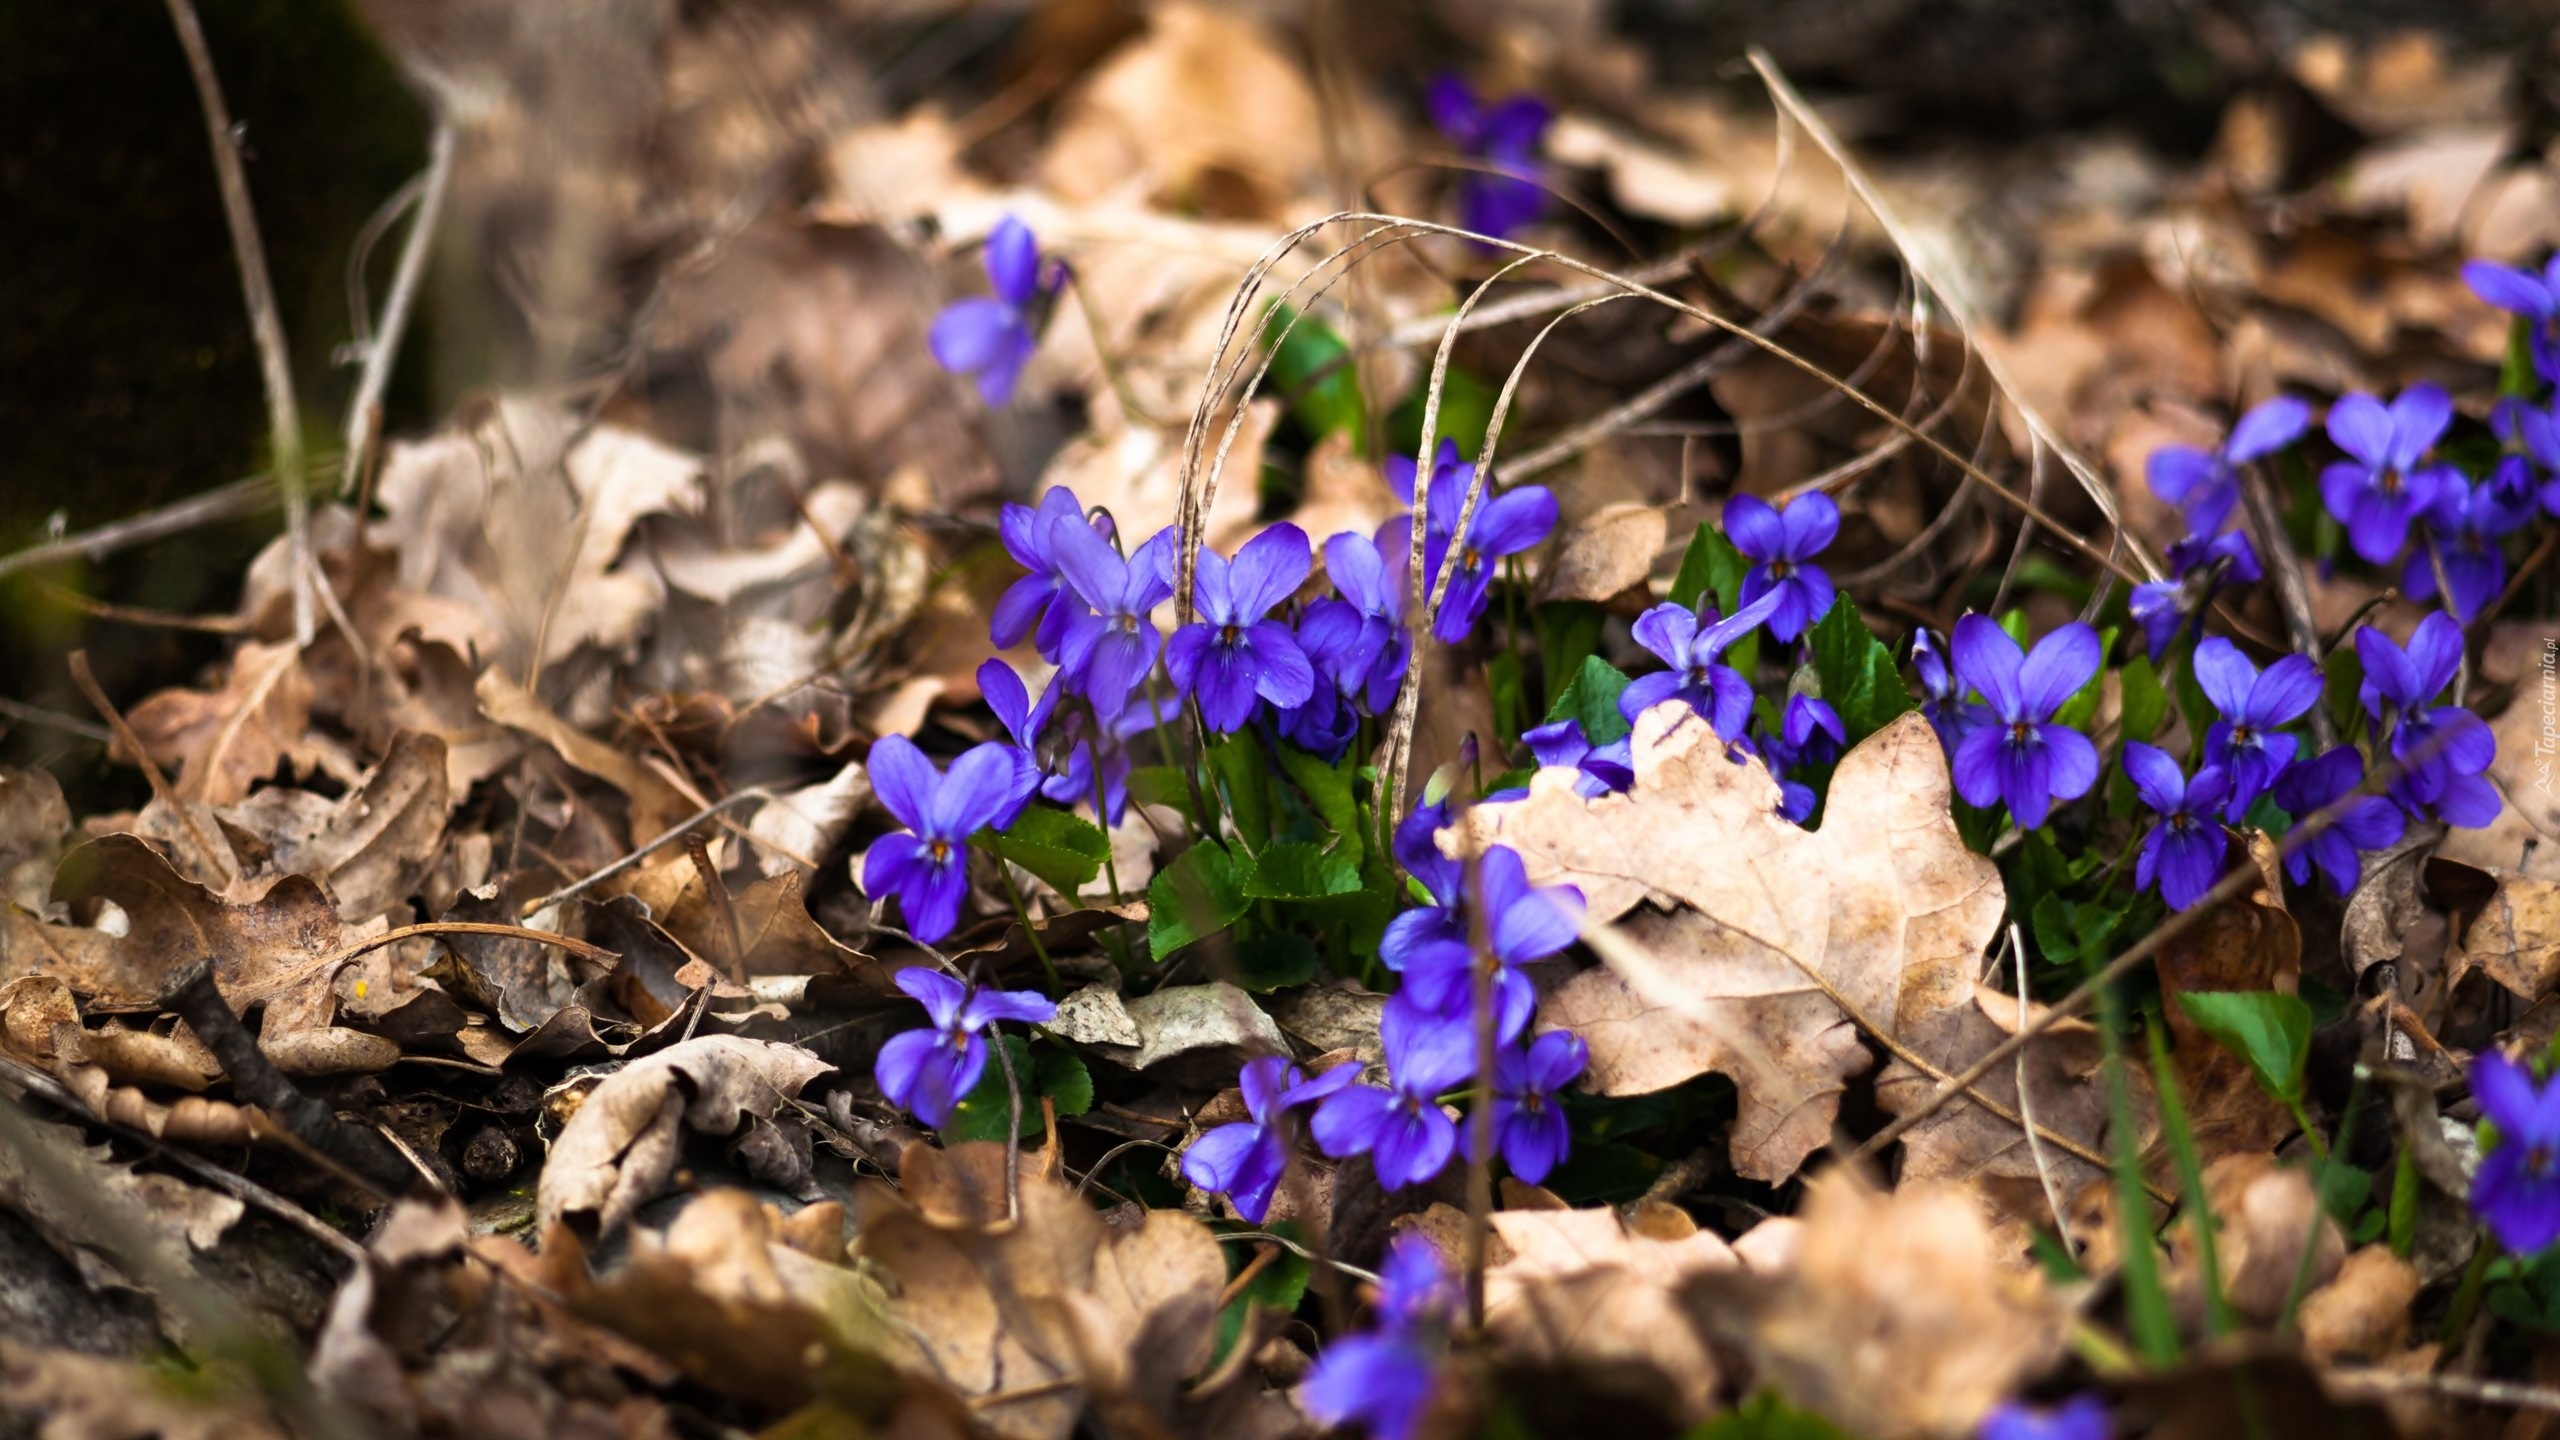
(33, 821)
(1065, 1305)
(2516, 936)
(263, 947)
(2250, 943)
(94, 1397)
(221, 742)
(655, 804)
(1895, 1316)
(479, 516)
(88, 1206)
(2363, 1314)
(621, 1146)
(1883, 908)
(1581, 1290)
(2264, 1213)
(1604, 553)
(1204, 109)
(723, 1295)
(371, 847)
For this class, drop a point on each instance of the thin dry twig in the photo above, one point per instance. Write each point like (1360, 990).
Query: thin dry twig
(382, 346)
(266, 322)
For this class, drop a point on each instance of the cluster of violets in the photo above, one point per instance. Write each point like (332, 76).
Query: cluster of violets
(1314, 670)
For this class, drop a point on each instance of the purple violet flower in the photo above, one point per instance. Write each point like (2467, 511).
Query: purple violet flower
(2246, 741)
(2516, 1190)
(2378, 491)
(1606, 769)
(1784, 544)
(2463, 529)
(2082, 1417)
(928, 869)
(2534, 297)
(1107, 651)
(928, 1071)
(1504, 524)
(2371, 823)
(1811, 731)
(1506, 135)
(2205, 484)
(2538, 431)
(2184, 851)
(2444, 748)
(1402, 1129)
(1530, 1131)
(1369, 574)
(1524, 924)
(1693, 643)
(1383, 1380)
(1030, 605)
(1941, 698)
(992, 337)
(2198, 567)
(2015, 753)
(1073, 783)
(1024, 719)
(1233, 653)
(1244, 1161)
(1417, 850)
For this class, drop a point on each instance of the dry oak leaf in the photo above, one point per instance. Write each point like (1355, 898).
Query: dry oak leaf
(1581, 1289)
(1894, 1314)
(656, 804)
(266, 948)
(372, 846)
(2516, 936)
(222, 742)
(1774, 929)
(1059, 1310)
(623, 1142)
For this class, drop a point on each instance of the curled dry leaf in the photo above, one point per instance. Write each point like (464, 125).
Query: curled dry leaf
(265, 949)
(655, 804)
(1781, 944)
(1605, 552)
(2265, 1214)
(795, 830)
(743, 1311)
(1036, 1318)
(221, 742)
(372, 846)
(1895, 1315)
(1581, 1290)
(622, 1144)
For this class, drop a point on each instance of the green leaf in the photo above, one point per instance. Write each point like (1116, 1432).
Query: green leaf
(1314, 373)
(1268, 960)
(2146, 700)
(1332, 791)
(1199, 894)
(1063, 850)
(1466, 408)
(1279, 1285)
(1712, 566)
(1568, 634)
(2268, 1028)
(1301, 872)
(1243, 771)
(1503, 678)
(2076, 932)
(1591, 697)
(1160, 785)
(1859, 678)
(1057, 1074)
(1766, 1417)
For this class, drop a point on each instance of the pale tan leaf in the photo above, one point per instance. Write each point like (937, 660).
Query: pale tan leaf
(1785, 941)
